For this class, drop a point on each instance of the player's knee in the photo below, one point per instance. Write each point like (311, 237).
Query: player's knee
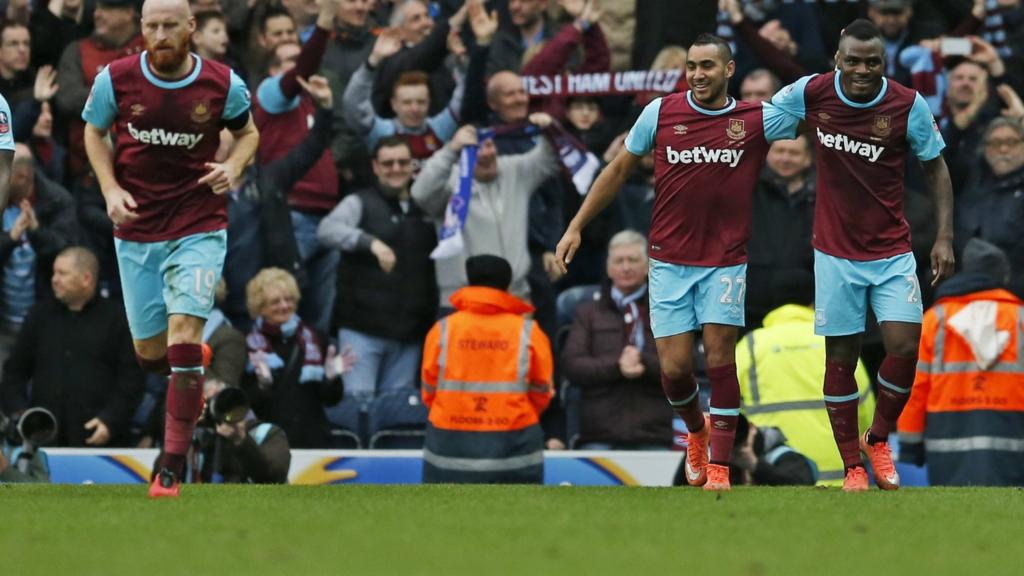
(151, 350)
(677, 369)
(184, 329)
(903, 348)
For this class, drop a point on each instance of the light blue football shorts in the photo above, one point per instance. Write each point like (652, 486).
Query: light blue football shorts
(844, 288)
(684, 298)
(169, 277)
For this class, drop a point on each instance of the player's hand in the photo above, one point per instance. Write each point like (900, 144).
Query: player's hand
(385, 255)
(388, 44)
(541, 119)
(942, 261)
(320, 89)
(465, 136)
(566, 249)
(46, 84)
(551, 266)
(121, 207)
(100, 434)
(484, 25)
(220, 176)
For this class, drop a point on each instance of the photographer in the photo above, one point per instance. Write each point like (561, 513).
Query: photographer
(21, 459)
(233, 446)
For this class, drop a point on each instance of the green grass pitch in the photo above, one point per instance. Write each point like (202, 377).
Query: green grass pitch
(484, 530)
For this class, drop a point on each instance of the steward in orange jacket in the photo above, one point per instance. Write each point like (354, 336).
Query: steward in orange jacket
(487, 377)
(965, 416)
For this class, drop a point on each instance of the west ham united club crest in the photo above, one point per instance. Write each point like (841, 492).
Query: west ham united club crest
(882, 126)
(737, 130)
(200, 112)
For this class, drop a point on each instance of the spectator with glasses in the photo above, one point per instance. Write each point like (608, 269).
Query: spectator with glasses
(992, 205)
(387, 295)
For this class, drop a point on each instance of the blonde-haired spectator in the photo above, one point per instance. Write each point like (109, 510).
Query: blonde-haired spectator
(288, 377)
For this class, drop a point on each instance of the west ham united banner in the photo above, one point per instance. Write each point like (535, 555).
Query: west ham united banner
(603, 83)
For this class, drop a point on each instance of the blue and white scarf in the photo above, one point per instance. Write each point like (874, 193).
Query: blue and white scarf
(581, 164)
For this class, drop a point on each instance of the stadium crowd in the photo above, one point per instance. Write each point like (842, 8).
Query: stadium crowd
(364, 106)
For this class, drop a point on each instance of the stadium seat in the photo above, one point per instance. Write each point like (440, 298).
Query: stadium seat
(569, 299)
(396, 420)
(347, 421)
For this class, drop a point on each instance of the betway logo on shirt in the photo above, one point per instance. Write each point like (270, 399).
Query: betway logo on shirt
(164, 137)
(844, 143)
(702, 155)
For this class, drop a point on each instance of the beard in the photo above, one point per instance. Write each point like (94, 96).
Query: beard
(167, 61)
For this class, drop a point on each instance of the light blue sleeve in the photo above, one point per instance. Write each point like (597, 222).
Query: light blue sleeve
(381, 129)
(778, 125)
(922, 132)
(6, 125)
(443, 124)
(239, 99)
(101, 108)
(640, 140)
(272, 99)
(789, 100)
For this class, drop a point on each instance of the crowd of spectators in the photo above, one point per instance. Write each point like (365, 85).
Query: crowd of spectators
(364, 108)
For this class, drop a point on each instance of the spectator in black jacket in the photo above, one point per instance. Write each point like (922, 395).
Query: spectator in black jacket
(783, 213)
(74, 357)
(387, 293)
(289, 378)
(992, 206)
(38, 223)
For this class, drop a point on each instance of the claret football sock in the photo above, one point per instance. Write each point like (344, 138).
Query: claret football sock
(841, 400)
(725, 411)
(683, 395)
(895, 380)
(184, 402)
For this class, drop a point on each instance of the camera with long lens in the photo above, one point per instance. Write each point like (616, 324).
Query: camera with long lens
(228, 406)
(34, 428)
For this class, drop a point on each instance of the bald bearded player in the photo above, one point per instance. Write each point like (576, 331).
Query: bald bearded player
(164, 192)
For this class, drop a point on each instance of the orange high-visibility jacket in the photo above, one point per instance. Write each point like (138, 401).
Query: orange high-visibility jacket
(971, 364)
(486, 368)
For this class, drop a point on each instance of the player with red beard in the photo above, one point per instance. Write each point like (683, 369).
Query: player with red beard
(165, 109)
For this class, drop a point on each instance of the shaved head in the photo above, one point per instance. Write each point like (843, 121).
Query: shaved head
(179, 8)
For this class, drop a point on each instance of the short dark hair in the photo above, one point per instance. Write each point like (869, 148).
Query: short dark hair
(204, 17)
(273, 12)
(84, 260)
(391, 142)
(6, 25)
(861, 29)
(705, 39)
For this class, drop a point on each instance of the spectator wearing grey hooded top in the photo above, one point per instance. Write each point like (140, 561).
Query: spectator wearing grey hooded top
(497, 219)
